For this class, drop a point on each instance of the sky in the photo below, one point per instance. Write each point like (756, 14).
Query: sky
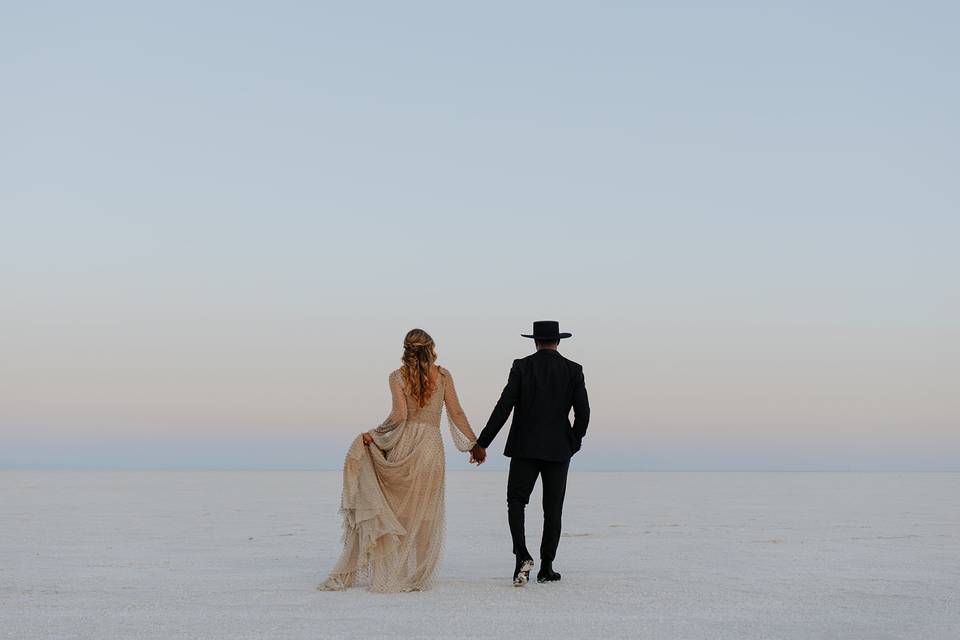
(218, 220)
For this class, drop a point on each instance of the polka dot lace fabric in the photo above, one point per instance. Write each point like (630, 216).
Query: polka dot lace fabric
(393, 493)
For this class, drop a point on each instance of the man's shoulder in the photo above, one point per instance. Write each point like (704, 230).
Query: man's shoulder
(519, 363)
(522, 362)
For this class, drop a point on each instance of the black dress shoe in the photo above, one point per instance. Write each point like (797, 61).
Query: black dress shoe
(521, 573)
(546, 573)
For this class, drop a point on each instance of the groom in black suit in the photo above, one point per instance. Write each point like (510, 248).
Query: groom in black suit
(541, 390)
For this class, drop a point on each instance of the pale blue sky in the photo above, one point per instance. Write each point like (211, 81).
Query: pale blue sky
(219, 219)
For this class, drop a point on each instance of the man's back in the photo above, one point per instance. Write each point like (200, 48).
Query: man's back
(541, 390)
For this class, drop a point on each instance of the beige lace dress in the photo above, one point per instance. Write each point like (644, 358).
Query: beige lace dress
(393, 493)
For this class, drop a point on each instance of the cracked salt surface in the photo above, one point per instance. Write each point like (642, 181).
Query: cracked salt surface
(237, 554)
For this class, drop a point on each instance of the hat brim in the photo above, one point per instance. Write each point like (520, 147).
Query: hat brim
(559, 336)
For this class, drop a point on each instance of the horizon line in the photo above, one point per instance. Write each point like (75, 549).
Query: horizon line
(587, 470)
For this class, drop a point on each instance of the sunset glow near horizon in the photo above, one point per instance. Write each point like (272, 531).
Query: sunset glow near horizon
(219, 222)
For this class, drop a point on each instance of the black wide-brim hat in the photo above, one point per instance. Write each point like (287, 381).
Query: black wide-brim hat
(546, 330)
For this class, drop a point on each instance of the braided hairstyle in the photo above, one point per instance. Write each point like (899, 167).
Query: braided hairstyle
(419, 354)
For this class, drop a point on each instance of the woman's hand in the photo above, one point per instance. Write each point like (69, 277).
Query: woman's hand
(367, 438)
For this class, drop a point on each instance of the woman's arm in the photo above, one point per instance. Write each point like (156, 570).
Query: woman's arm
(464, 439)
(386, 435)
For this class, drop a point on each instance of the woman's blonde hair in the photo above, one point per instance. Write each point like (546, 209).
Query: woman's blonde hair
(419, 354)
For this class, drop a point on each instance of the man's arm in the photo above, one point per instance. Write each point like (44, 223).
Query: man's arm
(581, 407)
(509, 397)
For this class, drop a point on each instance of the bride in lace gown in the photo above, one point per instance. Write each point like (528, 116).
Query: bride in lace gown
(393, 480)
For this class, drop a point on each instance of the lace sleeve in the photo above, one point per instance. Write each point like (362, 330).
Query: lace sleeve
(386, 435)
(463, 437)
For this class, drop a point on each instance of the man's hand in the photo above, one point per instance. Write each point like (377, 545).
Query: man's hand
(367, 438)
(478, 454)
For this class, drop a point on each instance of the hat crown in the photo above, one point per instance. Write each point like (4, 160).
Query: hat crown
(546, 328)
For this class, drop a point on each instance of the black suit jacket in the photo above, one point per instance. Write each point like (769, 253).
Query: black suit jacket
(541, 390)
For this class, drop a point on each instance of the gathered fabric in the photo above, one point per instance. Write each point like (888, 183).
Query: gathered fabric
(392, 502)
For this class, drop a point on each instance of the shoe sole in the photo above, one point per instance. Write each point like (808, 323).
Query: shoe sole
(523, 576)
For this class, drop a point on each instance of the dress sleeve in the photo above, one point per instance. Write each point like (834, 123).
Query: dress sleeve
(463, 437)
(387, 434)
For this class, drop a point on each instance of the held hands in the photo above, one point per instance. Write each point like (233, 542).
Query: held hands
(477, 455)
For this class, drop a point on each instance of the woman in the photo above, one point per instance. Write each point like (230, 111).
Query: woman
(393, 480)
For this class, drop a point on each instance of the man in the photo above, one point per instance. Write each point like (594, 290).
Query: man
(540, 390)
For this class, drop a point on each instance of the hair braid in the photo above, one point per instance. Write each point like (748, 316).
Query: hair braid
(419, 354)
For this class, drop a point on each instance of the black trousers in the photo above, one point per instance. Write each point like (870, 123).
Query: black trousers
(523, 475)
